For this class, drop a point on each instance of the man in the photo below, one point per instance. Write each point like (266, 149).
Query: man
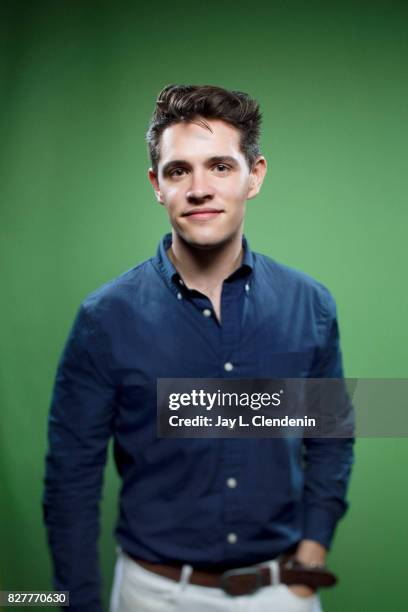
(205, 306)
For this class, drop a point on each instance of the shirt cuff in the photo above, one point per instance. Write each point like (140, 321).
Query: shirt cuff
(319, 524)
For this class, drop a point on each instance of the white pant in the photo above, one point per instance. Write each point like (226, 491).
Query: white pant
(136, 589)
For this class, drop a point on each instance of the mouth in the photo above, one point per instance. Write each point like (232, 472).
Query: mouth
(202, 213)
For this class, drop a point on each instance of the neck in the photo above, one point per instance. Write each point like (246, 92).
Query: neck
(205, 269)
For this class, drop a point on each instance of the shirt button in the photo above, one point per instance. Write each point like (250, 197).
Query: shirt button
(180, 282)
(247, 287)
(232, 538)
(179, 296)
(228, 367)
(232, 483)
(207, 312)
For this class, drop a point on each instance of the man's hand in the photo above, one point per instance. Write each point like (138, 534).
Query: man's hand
(312, 553)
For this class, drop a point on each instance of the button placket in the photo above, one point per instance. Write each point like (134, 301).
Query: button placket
(233, 502)
(231, 303)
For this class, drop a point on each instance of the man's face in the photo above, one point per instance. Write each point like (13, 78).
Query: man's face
(203, 180)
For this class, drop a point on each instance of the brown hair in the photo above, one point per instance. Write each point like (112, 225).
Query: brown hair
(176, 103)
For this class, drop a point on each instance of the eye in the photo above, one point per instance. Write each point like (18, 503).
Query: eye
(221, 168)
(176, 172)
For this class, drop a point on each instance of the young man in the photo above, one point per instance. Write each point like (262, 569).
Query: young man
(205, 306)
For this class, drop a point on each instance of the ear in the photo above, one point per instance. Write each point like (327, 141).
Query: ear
(256, 177)
(155, 184)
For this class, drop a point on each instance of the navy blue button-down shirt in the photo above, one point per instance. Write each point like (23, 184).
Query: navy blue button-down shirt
(208, 502)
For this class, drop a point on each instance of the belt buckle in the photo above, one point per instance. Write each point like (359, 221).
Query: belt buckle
(241, 581)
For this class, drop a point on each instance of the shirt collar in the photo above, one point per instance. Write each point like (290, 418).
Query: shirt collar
(166, 267)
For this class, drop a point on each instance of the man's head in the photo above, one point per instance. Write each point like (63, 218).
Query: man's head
(206, 162)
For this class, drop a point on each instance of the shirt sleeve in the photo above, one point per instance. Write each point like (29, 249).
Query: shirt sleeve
(79, 427)
(328, 461)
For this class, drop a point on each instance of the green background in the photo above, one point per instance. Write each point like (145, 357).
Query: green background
(78, 82)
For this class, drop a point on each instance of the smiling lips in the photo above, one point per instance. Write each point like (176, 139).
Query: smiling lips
(202, 213)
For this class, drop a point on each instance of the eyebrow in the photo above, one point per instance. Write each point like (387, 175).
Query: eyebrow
(216, 159)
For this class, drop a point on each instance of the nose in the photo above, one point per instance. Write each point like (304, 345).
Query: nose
(200, 189)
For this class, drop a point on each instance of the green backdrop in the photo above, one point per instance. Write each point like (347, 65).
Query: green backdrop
(78, 82)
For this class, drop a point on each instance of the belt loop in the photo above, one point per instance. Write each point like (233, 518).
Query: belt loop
(186, 572)
(275, 574)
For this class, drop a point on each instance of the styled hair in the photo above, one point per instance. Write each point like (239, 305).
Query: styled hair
(191, 103)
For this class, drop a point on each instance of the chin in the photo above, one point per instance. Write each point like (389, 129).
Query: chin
(206, 242)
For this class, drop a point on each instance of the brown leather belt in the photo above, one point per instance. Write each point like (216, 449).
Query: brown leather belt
(246, 580)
